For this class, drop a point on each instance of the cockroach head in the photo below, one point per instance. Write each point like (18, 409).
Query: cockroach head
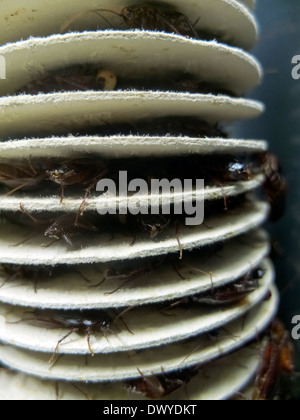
(239, 171)
(60, 175)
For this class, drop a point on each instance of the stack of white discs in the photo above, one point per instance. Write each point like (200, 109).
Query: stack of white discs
(157, 335)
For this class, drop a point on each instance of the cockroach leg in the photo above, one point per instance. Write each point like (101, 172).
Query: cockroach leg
(50, 244)
(34, 220)
(83, 277)
(81, 392)
(73, 331)
(118, 288)
(28, 237)
(10, 278)
(80, 15)
(89, 341)
(178, 241)
(132, 243)
(60, 356)
(87, 193)
(120, 316)
(9, 193)
(94, 286)
(210, 274)
(62, 194)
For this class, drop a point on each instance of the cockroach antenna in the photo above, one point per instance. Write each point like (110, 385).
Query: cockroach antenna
(78, 16)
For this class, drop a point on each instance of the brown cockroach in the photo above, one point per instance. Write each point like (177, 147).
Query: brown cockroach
(277, 358)
(229, 295)
(157, 387)
(61, 227)
(275, 185)
(153, 225)
(83, 172)
(237, 171)
(67, 226)
(73, 78)
(152, 16)
(82, 323)
(226, 295)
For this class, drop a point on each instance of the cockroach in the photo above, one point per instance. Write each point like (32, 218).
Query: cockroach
(153, 225)
(84, 172)
(67, 226)
(152, 16)
(234, 171)
(275, 185)
(228, 295)
(237, 171)
(21, 176)
(277, 359)
(80, 322)
(73, 78)
(157, 387)
(62, 227)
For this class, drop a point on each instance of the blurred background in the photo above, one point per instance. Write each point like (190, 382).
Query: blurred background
(280, 125)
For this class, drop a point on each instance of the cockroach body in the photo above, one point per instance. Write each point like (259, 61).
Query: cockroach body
(62, 227)
(73, 78)
(237, 171)
(277, 359)
(159, 17)
(157, 387)
(66, 226)
(275, 186)
(154, 225)
(228, 295)
(79, 322)
(84, 172)
(151, 16)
